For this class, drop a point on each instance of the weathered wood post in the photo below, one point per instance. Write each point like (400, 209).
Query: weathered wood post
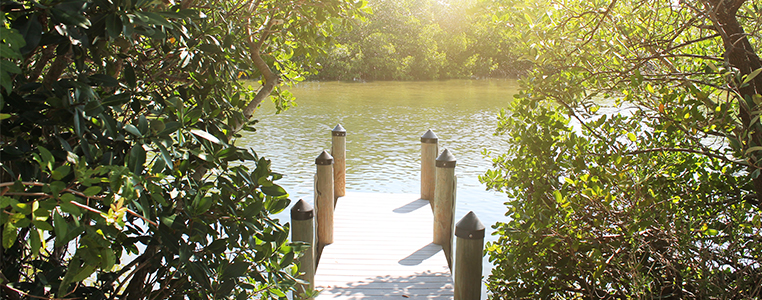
(303, 230)
(444, 202)
(339, 153)
(324, 198)
(469, 247)
(429, 150)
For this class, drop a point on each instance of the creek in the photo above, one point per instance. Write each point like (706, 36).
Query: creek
(384, 122)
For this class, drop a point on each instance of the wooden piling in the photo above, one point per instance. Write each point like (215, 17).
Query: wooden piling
(339, 151)
(444, 202)
(429, 151)
(324, 199)
(303, 230)
(469, 243)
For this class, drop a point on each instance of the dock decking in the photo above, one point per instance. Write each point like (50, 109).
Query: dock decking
(382, 250)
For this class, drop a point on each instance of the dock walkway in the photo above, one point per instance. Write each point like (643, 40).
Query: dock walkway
(383, 249)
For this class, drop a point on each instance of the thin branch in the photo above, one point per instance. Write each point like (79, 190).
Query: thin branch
(598, 25)
(667, 149)
(78, 193)
(33, 296)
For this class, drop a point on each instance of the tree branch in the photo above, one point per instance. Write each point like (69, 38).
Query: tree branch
(268, 76)
(78, 193)
(668, 149)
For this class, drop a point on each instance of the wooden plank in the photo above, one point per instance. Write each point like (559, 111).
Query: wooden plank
(382, 248)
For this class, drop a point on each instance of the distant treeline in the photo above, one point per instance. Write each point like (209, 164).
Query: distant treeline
(421, 40)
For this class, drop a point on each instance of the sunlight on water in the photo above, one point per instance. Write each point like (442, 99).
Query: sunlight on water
(384, 123)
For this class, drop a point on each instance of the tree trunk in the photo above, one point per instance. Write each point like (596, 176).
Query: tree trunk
(740, 55)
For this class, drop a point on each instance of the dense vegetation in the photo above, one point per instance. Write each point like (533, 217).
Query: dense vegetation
(421, 40)
(635, 144)
(119, 178)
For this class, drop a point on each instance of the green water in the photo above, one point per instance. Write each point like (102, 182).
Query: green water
(384, 123)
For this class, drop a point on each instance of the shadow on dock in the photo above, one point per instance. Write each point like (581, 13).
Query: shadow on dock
(411, 207)
(426, 285)
(422, 254)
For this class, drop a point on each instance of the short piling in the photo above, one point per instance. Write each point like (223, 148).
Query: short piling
(324, 199)
(469, 244)
(429, 151)
(444, 202)
(339, 153)
(303, 230)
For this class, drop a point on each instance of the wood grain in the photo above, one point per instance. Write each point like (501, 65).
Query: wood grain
(383, 249)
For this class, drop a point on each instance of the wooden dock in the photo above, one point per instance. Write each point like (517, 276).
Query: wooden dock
(383, 249)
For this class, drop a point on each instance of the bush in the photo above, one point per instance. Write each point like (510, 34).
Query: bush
(120, 176)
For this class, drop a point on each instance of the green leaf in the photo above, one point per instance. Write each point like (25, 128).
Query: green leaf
(557, 195)
(632, 136)
(92, 191)
(129, 73)
(237, 269)
(7, 52)
(277, 292)
(61, 229)
(61, 172)
(108, 258)
(133, 130)
(198, 272)
(113, 25)
(274, 190)
(8, 66)
(202, 204)
(71, 17)
(43, 225)
(83, 273)
(10, 233)
(157, 19)
(23, 208)
(104, 80)
(751, 76)
(170, 127)
(56, 187)
(205, 135)
(165, 155)
(5, 201)
(752, 149)
(287, 259)
(47, 158)
(70, 208)
(35, 242)
(31, 29)
(137, 159)
(143, 124)
(116, 100)
(168, 220)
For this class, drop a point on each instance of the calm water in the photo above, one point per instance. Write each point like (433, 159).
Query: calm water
(384, 123)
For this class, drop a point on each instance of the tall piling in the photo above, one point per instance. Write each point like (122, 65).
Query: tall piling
(429, 151)
(324, 199)
(303, 230)
(339, 153)
(444, 202)
(469, 242)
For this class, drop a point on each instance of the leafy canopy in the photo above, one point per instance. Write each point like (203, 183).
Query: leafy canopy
(119, 174)
(634, 152)
(421, 40)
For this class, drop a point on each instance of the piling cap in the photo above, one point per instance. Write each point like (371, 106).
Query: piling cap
(469, 227)
(429, 137)
(324, 159)
(339, 131)
(302, 211)
(446, 160)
